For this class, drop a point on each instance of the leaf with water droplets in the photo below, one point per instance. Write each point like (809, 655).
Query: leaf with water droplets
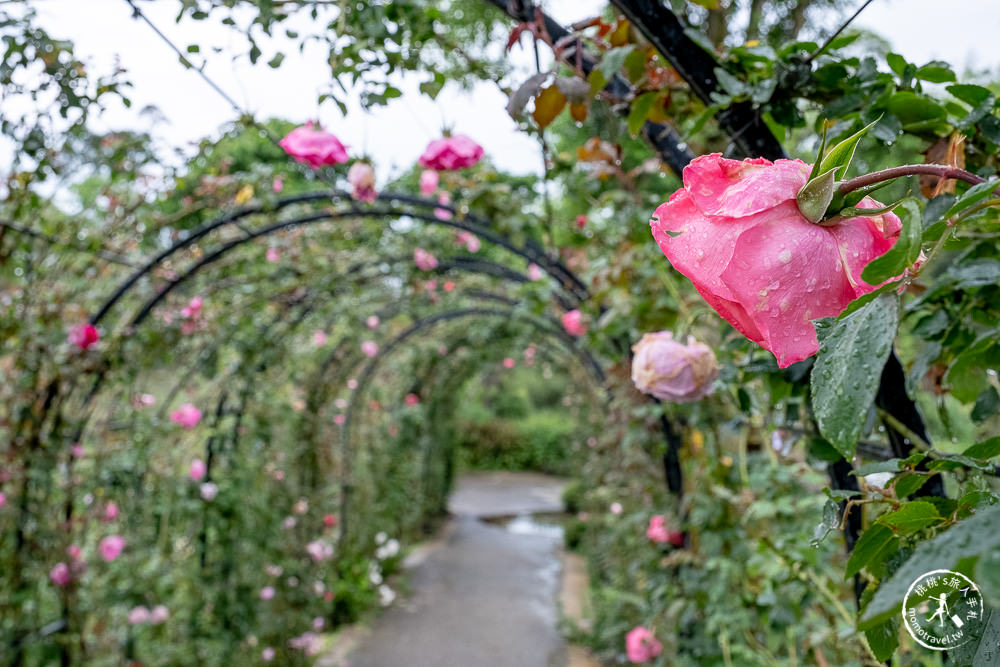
(848, 367)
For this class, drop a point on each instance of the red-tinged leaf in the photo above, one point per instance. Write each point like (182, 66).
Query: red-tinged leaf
(578, 112)
(619, 36)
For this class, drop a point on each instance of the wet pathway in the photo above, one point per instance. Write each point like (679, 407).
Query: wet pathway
(485, 594)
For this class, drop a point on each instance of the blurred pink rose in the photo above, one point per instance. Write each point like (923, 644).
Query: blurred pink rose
(641, 645)
(319, 551)
(319, 338)
(572, 322)
(340, 403)
(277, 185)
(428, 182)
(672, 371)
(145, 400)
(581, 221)
(84, 336)
(197, 470)
(60, 575)
(77, 451)
(411, 399)
(616, 508)
(361, 177)
(369, 348)
(159, 614)
(111, 547)
(659, 533)
(735, 230)
(508, 362)
(449, 286)
(3, 499)
(209, 490)
(272, 255)
(74, 551)
(267, 593)
(455, 152)
(372, 322)
(314, 146)
(329, 520)
(535, 272)
(186, 416)
(267, 655)
(318, 623)
(352, 384)
(442, 213)
(193, 309)
(339, 420)
(424, 260)
(111, 511)
(469, 240)
(138, 615)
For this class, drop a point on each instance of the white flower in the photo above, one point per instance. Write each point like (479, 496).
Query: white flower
(387, 550)
(209, 491)
(288, 523)
(380, 538)
(386, 595)
(319, 550)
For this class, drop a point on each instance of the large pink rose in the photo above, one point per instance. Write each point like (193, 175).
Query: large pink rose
(736, 231)
(673, 371)
(455, 152)
(84, 336)
(361, 176)
(641, 645)
(314, 146)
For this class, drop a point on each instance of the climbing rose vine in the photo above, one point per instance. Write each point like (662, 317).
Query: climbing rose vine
(736, 231)
(673, 371)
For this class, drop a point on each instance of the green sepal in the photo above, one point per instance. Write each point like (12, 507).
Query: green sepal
(839, 157)
(815, 196)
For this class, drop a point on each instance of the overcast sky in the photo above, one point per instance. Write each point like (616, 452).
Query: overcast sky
(962, 32)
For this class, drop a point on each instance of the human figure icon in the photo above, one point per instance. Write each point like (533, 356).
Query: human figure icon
(941, 610)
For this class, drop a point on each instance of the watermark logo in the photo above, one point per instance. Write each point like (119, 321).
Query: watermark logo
(943, 610)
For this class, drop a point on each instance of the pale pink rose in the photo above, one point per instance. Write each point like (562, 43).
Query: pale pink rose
(111, 511)
(411, 399)
(535, 272)
(292, 582)
(288, 522)
(736, 231)
(369, 349)
(431, 285)
(197, 470)
(673, 371)
(84, 336)
(352, 384)
(572, 322)
(641, 645)
(274, 570)
(78, 451)
(267, 655)
(428, 182)
(424, 260)
(455, 152)
(209, 490)
(145, 400)
(616, 508)
(3, 499)
(469, 240)
(74, 551)
(272, 255)
(442, 213)
(159, 614)
(372, 322)
(138, 616)
(267, 593)
(319, 550)
(361, 177)
(60, 574)
(314, 146)
(508, 362)
(193, 309)
(318, 623)
(301, 506)
(188, 327)
(186, 416)
(319, 338)
(111, 547)
(277, 185)
(340, 403)
(279, 475)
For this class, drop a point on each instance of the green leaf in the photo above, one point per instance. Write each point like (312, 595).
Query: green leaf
(731, 84)
(971, 197)
(981, 651)
(613, 61)
(276, 61)
(904, 251)
(975, 273)
(865, 299)
(959, 545)
(896, 63)
(911, 517)
(816, 195)
(915, 111)
(936, 72)
(193, 48)
(970, 94)
(639, 112)
(966, 374)
(876, 544)
(839, 157)
(987, 449)
(988, 577)
(884, 639)
(907, 485)
(847, 370)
